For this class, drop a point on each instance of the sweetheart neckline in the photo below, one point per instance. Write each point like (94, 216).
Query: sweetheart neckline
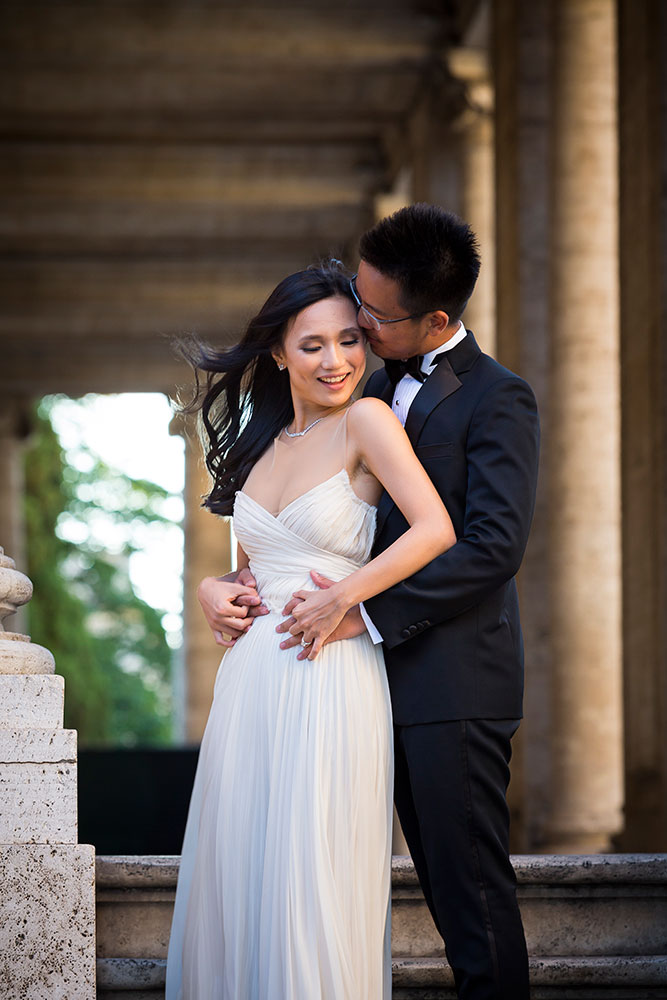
(312, 489)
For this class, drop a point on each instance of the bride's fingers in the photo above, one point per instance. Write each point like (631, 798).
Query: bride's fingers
(291, 640)
(315, 648)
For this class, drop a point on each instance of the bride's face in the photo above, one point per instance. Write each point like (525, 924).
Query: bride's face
(324, 350)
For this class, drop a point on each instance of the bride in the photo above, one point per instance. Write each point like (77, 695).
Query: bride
(284, 884)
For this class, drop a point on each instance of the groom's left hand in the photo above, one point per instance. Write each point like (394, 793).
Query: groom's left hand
(351, 625)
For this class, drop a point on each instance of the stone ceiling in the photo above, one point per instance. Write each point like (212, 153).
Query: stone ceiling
(165, 163)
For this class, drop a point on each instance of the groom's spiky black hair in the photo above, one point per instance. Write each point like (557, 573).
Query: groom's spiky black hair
(431, 253)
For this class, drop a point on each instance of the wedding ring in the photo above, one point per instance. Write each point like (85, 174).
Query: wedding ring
(304, 643)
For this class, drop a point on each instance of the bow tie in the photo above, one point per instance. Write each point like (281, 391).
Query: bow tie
(411, 366)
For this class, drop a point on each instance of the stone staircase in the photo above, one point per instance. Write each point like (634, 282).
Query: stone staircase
(596, 928)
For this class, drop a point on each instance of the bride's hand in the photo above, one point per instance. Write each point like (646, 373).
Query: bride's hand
(317, 614)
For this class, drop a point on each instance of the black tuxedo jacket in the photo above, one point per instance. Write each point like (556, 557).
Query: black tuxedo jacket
(452, 637)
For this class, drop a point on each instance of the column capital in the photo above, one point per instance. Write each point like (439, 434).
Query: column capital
(469, 65)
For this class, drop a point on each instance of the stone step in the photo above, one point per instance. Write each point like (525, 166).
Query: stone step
(587, 978)
(593, 924)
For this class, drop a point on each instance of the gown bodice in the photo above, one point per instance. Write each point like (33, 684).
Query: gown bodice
(328, 528)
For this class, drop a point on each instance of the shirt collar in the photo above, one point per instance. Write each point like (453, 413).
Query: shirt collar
(456, 338)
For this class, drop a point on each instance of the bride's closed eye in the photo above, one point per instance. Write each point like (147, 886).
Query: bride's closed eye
(344, 343)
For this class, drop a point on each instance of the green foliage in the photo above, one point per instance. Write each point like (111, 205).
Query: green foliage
(108, 643)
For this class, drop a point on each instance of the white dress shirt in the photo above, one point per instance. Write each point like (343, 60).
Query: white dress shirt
(404, 395)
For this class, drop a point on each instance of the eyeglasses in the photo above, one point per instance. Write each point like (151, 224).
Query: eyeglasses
(373, 321)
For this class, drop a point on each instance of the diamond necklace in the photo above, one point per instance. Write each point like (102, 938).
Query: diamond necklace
(299, 434)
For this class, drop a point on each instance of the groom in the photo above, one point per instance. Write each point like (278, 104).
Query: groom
(451, 633)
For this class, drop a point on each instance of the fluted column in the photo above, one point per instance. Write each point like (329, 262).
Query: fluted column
(474, 131)
(587, 780)
(521, 54)
(47, 903)
(208, 552)
(642, 61)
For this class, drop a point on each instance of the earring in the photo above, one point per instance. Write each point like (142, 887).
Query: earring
(281, 368)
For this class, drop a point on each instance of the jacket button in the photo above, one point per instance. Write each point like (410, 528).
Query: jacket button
(405, 633)
(412, 629)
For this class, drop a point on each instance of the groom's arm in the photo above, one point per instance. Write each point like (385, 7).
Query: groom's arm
(502, 457)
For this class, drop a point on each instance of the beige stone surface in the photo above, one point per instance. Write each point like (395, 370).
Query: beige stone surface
(571, 906)
(584, 459)
(522, 76)
(207, 553)
(14, 586)
(18, 655)
(474, 130)
(37, 746)
(38, 803)
(12, 527)
(47, 922)
(31, 701)
(134, 928)
(643, 285)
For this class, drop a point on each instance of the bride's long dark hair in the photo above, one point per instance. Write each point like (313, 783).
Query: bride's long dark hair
(243, 398)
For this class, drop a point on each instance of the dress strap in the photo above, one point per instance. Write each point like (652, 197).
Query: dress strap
(339, 440)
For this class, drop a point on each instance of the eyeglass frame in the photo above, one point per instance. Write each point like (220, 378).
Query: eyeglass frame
(375, 322)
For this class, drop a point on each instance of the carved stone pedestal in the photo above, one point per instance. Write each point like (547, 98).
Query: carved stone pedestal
(47, 903)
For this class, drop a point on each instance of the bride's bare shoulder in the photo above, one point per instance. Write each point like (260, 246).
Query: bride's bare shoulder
(369, 417)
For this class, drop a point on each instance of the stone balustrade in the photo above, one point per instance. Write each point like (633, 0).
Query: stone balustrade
(47, 904)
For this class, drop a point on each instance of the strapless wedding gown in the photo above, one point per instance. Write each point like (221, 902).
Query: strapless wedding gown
(284, 886)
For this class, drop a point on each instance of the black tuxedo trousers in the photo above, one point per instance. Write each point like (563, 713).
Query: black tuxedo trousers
(454, 655)
(450, 784)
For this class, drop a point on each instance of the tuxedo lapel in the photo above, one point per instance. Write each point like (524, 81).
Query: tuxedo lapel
(442, 382)
(387, 394)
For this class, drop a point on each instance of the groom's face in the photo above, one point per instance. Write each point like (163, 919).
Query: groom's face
(381, 297)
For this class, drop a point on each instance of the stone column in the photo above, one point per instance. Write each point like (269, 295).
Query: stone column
(47, 903)
(208, 552)
(642, 58)
(12, 432)
(521, 51)
(587, 770)
(474, 131)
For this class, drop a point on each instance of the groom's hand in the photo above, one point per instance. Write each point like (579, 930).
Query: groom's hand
(351, 625)
(230, 604)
